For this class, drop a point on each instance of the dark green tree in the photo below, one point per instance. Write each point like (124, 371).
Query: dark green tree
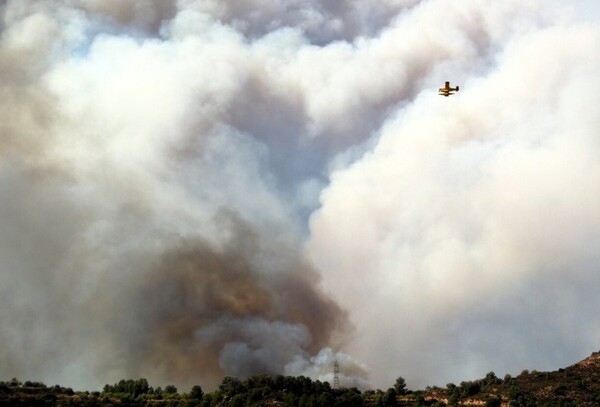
(493, 402)
(491, 379)
(170, 389)
(348, 398)
(325, 399)
(390, 398)
(469, 388)
(209, 400)
(230, 386)
(454, 396)
(196, 393)
(237, 401)
(400, 385)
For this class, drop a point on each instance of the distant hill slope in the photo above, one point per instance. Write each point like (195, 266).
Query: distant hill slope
(575, 386)
(578, 384)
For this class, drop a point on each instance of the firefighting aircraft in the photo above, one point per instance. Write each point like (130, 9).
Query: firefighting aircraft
(447, 90)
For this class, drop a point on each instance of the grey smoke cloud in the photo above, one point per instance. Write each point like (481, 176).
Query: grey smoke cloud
(197, 188)
(142, 233)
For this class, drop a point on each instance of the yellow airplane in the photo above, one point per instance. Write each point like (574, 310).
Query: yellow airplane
(447, 90)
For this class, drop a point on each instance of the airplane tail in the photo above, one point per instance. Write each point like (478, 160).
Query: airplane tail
(457, 88)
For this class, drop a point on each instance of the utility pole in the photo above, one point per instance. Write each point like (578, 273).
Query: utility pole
(336, 374)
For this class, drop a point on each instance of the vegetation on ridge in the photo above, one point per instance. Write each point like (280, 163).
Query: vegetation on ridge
(575, 386)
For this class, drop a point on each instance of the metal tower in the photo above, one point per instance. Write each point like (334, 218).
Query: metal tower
(336, 374)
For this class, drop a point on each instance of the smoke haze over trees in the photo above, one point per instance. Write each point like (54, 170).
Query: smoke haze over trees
(198, 188)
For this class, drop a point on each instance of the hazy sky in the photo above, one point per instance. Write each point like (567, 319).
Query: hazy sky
(198, 188)
(588, 9)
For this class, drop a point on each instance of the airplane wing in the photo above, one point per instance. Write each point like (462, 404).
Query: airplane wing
(447, 90)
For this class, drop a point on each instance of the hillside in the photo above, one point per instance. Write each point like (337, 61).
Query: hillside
(575, 386)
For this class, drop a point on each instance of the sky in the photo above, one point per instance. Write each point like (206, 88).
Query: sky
(197, 188)
(586, 9)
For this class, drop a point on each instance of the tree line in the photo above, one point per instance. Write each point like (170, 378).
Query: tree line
(263, 390)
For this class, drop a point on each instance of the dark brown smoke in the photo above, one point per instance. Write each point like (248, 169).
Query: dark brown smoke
(201, 311)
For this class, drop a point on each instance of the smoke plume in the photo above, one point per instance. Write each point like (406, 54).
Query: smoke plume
(198, 188)
(143, 233)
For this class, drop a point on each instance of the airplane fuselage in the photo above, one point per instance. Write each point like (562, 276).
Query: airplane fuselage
(447, 90)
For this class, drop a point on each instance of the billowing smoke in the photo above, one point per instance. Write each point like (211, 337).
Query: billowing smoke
(144, 231)
(196, 188)
(471, 226)
(245, 307)
(321, 367)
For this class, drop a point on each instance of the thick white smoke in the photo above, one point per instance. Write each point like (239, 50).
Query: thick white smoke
(466, 239)
(177, 177)
(321, 367)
